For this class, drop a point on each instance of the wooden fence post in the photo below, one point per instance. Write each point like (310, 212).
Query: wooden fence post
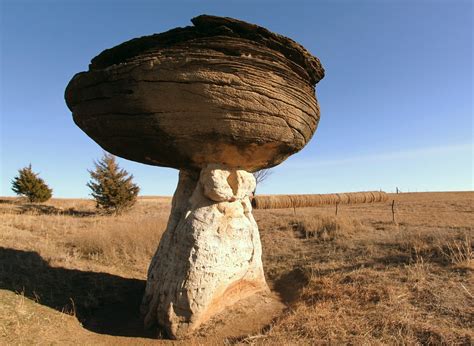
(337, 204)
(393, 212)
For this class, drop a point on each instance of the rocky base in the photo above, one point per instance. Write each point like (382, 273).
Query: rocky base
(210, 255)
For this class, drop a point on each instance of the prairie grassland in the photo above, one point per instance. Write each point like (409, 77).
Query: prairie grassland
(70, 233)
(70, 276)
(365, 280)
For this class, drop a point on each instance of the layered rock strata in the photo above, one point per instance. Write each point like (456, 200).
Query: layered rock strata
(210, 255)
(222, 91)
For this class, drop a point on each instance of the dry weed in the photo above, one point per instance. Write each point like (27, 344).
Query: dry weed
(459, 252)
(128, 239)
(325, 228)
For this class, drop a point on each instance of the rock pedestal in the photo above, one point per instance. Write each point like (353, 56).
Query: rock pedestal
(210, 255)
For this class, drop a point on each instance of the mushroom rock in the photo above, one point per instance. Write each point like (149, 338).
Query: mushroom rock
(216, 100)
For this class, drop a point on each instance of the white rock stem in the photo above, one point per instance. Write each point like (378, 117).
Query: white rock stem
(210, 254)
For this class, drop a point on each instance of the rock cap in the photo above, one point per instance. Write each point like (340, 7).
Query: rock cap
(220, 92)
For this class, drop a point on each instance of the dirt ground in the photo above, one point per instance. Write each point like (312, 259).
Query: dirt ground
(71, 276)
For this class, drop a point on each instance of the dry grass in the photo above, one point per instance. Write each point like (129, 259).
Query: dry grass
(371, 281)
(352, 278)
(131, 240)
(325, 227)
(70, 233)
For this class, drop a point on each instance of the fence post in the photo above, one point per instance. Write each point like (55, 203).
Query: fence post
(337, 204)
(393, 212)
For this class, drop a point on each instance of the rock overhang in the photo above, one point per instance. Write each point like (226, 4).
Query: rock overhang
(222, 92)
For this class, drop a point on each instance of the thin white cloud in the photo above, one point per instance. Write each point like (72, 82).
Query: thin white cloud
(394, 155)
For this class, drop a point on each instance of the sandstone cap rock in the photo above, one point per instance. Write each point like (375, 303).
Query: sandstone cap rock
(220, 92)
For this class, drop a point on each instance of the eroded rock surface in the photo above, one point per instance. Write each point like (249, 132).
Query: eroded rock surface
(210, 255)
(222, 91)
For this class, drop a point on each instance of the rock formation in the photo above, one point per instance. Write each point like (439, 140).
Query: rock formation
(215, 100)
(222, 91)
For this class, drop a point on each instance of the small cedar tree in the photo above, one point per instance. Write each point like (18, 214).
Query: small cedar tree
(30, 185)
(112, 187)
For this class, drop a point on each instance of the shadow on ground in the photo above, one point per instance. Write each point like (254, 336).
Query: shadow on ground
(50, 210)
(103, 303)
(289, 285)
(7, 201)
(20, 207)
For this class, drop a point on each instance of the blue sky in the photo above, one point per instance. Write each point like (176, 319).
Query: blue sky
(396, 102)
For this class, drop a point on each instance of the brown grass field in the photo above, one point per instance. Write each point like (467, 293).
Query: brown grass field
(70, 276)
